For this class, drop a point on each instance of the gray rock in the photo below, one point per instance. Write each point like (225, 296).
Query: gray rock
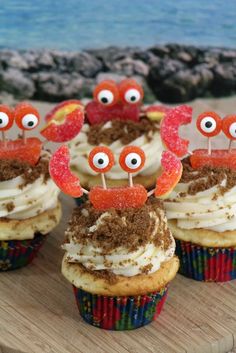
(130, 67)
(11, 58)
(224, 82)
(109, 76)
(15, 82)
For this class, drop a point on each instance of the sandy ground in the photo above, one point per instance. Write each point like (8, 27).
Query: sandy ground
(223, 106)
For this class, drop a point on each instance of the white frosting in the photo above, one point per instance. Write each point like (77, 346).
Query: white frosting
(80, 149)
(119, 261)
(30, 200)
(207, 209)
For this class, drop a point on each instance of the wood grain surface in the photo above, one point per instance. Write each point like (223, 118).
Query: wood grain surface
(38, 313)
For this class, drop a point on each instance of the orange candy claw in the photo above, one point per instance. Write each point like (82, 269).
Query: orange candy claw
(209, 124)
(62, 109)
(6, 118)
(63, 128)
(170, 124)
(26, 116)
(229, 126)
(130, 91)
(27, 152)
(101, 159)
(59, 168)
(132, 159)
(171, 175)
(217, 158)
(106, 93)
(119, 198)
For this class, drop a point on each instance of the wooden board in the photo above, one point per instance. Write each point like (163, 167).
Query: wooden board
(38, 313)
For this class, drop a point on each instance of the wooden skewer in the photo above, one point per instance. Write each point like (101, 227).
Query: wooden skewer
(4, 138)
(209, 145)
(230, 145)
(104, 184)
(131, 184)
(24, 137)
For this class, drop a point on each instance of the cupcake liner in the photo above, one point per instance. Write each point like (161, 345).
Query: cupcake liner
(80, 200)
(18, 253)
(206, 263)
(119, 313)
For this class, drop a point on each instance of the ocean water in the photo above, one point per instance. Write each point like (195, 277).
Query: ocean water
(79, 24)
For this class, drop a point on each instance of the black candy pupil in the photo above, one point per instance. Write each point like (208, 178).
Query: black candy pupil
(134, 161)
(104, 100)
(1, 121)
(208, 124)
(100, 161)
(133, 99)
(30, 123)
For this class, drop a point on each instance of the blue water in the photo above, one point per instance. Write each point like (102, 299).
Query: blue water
(78, 24)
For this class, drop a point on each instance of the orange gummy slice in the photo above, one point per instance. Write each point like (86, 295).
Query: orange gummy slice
(119, 198)
(171, 175)
(59, 168)
(170, 124)
(27, 152)
(217, 158)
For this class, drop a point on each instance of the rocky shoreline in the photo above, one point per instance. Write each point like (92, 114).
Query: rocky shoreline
(171, 73)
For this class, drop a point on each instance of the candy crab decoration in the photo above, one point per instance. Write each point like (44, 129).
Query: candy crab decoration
(101, 160)
(26, 117)
(209, 124)
(111, 101)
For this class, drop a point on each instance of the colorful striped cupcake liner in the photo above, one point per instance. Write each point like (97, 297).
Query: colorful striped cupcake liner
(205, 263)
(119, 313)
(18, 253)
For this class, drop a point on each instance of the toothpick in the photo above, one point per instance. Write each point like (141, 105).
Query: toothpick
(4, 138)
(209, 145)
(150, 193)
(24, 137)
(85, 191)
(230, 145)
(131, 184)
(104, 184)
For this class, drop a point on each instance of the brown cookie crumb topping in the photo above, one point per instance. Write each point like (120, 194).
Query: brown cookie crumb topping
(207, 177)
(126, 131)
(10, 169)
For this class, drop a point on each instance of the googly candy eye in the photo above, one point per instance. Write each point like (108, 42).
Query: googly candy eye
(209, 124)
(101, 159)
(132, 159)
(106, 93)
(26, 116)
(229, 126)
(130, 91)
(6, 118)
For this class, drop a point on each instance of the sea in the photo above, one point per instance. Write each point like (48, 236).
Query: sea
(84, 24)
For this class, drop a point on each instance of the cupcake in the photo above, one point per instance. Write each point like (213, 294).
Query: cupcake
(115, 118)
(119, 251)
(29, 206)
(201, 208)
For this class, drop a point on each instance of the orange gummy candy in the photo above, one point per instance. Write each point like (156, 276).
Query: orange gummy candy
(229, 126)
(101, 159)
(170, 124)
(209, 124)
(171, 175)
(27, 152)
(119, 198)
(217, 158)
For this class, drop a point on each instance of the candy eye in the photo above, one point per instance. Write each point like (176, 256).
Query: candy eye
(6, 118)
(229, 126)
(106, 93)
(209, 124)
(101, 159)
(26, 116)
(132, 159)
(130, 91)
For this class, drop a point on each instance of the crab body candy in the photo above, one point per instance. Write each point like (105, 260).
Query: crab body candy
(217, 159)
(26, 116)
(119, 198)
(6, 118)
(132, 159)
(229, 126)
(101, 159)
(63, 128)
(27, 152)
(172, 171)
(106, 93)
(169, 128)
(209, 124)
(130, 92)
(59, 168)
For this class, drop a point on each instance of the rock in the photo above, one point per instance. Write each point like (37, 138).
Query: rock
(11, 58)
(224, 82)
(130, 67)
(109, 76)
(160, 50)
(15, 82)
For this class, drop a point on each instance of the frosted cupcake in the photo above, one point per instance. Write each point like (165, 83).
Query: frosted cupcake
(29, 206)
(115, 118)
(119, 251)
(201, 208)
